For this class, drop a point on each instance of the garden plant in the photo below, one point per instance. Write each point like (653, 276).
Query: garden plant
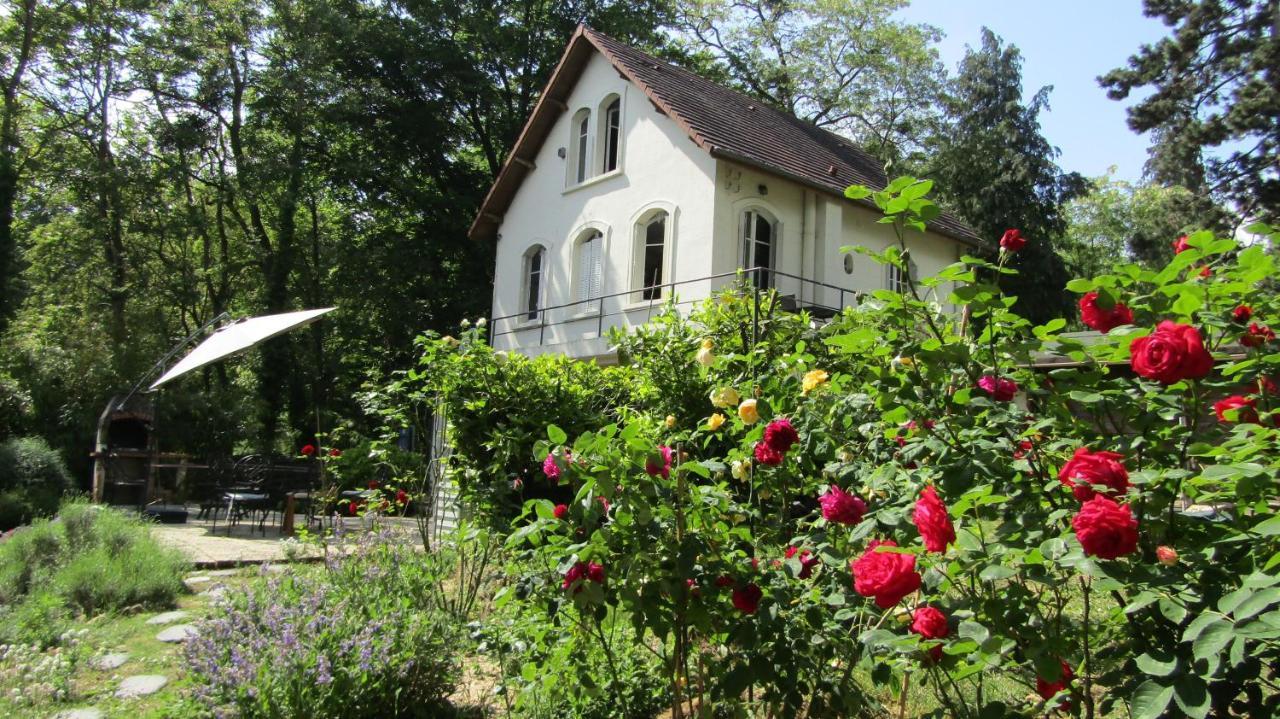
(927, 506)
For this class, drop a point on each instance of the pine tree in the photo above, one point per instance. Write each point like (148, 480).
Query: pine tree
(995, 169)
(1215, 105)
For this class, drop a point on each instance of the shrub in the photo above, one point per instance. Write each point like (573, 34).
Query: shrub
(33, 479)
(90, 559)
(997, 518)
(355, 637)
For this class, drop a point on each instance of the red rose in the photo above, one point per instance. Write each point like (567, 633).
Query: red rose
(373, 484)
(1095, 317)
(1012, 240)
(1105, 529)
(724, 580)
(561, 511)
(1000, 389)
(807, 561)
(575, 573)
(841, 507)
(768, 455)
(402, 497)
(1088, 473)
(932, 520)
(1181, 245)
(1242, 313)
(595, 572)
(1024, 448)
(1166, 555)
(1257, 335)
(1047, 689)
(930, 623)
(659, 463)
(692, 585)
(353, 509)
(308, 450)
(747, 599)
(1268, 385)
(780, 435)
(1172, 353)
(1205, 271)
(1245, 409)
(887, 576)
(335, 452)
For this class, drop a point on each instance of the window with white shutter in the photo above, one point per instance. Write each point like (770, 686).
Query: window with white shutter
(590, 271)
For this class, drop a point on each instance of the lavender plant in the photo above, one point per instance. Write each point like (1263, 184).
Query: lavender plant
(354, 637)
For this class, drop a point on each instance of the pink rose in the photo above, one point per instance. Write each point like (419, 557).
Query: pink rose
(1000, 388)
(659, 463)
(1181, 245)
(807, 561)
(841, 507)
(551, 468)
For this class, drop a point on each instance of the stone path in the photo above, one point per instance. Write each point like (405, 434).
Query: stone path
(107, 662)
(141, 685)
(168, 617)
(85, 713)
(178, 633)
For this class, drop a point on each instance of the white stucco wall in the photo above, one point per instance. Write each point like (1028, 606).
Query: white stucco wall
(660, 167)
(812, 227)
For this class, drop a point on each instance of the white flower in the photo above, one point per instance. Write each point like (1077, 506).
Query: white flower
(482, 322)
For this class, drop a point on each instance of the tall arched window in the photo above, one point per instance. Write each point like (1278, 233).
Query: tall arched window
(651, 255)
(535, 269)
(896, 280)
(759, 247)
(580, 146)
(589, 270)
(610, 133)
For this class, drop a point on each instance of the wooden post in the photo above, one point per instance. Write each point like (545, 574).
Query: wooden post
(286, 524)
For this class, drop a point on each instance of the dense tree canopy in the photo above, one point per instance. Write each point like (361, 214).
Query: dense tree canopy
(1214, 104)
(996, 169)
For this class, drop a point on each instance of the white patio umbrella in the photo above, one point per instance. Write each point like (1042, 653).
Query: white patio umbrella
(238, 337)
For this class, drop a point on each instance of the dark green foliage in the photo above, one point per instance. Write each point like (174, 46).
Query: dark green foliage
(33, 479)
(995, 169)
(1214, 105)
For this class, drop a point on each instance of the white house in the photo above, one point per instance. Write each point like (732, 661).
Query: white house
(635, 181)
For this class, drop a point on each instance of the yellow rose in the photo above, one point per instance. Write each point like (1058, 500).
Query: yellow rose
(707, 344)
(741, 469)
(705, 357)
(904, 361)
(748, 412)
(671, 421)
(716, 420)
(814, 379)
(725, 397)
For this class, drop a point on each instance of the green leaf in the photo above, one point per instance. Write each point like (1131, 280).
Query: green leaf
(1150, 699)
(919, 189)
(1192, 695)
(1197, 625)
(1212, 640)
(996, 572)
(556, 435)
(1269, 528)
(857, 192)
(1257, 602)
(1157, 667)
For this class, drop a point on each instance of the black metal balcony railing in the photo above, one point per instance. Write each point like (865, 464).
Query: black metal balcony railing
(760, 279)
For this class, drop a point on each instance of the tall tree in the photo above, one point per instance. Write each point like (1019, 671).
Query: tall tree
(1214, 104)
(995, 169)
(1119, 219)
(847, 65)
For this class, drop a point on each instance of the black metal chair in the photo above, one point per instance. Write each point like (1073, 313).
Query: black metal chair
(248, 496)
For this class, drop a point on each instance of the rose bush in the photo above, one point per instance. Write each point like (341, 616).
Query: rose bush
(1000, 518)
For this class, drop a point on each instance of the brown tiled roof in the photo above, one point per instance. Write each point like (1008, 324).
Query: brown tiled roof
(725, 123)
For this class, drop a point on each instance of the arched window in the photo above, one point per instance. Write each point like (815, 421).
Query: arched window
(580, 146)
(535, 269)
(895, 279)
(651, 255)
(759, 247)
(589, 270)
(610, 133)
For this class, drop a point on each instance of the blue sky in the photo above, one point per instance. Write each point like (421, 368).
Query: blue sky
(1066, 44)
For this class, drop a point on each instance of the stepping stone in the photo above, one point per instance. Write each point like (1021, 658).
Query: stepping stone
(167, 617)
(108, 662)
(214, 592)
(223, 573)
(141, 686)
(86, 713)
(178, 633)
(193, 583)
